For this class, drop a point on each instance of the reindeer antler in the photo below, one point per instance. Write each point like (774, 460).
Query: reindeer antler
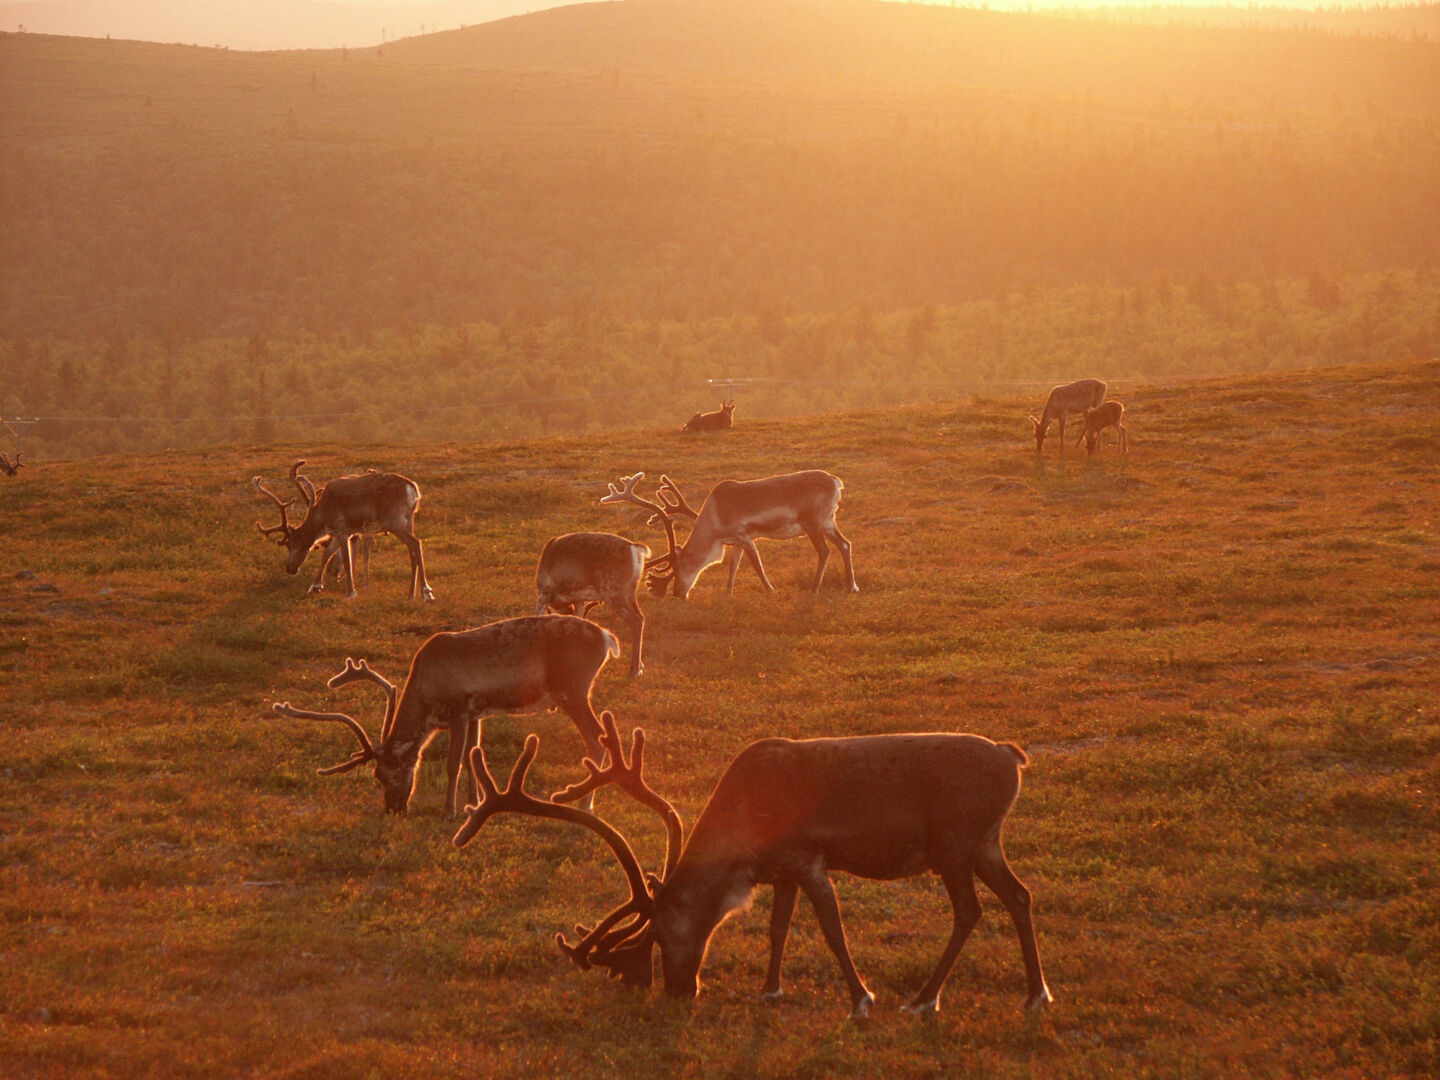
(623, 948)
(354, 672)
(284, 526)
(670, 495)
(626, 773)
(359, 757)
(656, 580)
(302, 484)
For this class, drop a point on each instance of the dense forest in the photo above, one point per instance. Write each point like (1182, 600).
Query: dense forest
(591, 210)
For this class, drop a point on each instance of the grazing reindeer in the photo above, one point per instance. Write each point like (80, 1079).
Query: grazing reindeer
(369, 503)
(456, 678)
(8, 467)
(580, 571)
(786, 813)
(1073, 397)
(736, 513)
(1106, 414)
(332, 545)
(720, 420)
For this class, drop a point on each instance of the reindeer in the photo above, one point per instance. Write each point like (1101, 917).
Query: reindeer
(1073, 397)
(348, 505)
(456, 678)
(580, 571)
(1106, 414)
(786, 813)
(8, 467)
(721, 420)
(735, 514)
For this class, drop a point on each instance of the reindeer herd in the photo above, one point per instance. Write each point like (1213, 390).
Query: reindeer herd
(785, 813)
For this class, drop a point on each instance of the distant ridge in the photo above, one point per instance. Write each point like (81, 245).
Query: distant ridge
(250, 24)
(879, 43)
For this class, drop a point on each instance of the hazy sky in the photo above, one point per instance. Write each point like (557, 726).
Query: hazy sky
(290, 24)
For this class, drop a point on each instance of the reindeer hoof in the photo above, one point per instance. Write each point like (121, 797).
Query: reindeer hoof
(922, 1008)
(427, 594)
(772, 995)
(313, 589)
(862, 1007)
(1037, 1003)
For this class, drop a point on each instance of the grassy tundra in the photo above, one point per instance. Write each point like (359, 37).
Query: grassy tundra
(1219, 654)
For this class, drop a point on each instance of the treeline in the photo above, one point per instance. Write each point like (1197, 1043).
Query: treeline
(589, 372)
(195, 193)
(1397, 20)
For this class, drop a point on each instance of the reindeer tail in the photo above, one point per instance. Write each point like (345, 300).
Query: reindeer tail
(1021, 758)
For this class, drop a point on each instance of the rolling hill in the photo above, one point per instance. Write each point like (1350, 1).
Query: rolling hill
(689, 161)
(1218, 654)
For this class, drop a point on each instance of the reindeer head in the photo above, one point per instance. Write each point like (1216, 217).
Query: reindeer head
(8, 467)
(1039, 431)
(290, 537)
(396, 767)
(623, 941)
(673, 566)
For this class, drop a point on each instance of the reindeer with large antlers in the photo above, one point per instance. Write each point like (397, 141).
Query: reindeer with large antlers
(339, 510)
(456, 678)
(786, 813)
(8, 467)
(736, 514)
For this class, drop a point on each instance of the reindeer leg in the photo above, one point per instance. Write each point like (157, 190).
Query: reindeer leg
(636, 618)
(459, 748)
(782, 908)
(839, 540)
(472, 740)
(960, 884)
(326, 558)
(822, 550)
(754, 556)
(417, 567)
(827, 909)
(347, 564)
(995, 872)
(732, 566)
(588, 725)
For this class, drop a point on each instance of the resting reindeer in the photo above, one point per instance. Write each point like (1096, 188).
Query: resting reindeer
(348, 505)
(8, 467)
(580, 571)
(736, 514)
(1073, 397)
(786, 813)
(1107, 414)
(456, 678)
(720, 420)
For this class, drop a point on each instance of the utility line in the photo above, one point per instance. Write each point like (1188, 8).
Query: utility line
(971, 386)
(473, 406)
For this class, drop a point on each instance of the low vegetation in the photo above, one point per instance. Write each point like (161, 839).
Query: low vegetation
(1219, 654)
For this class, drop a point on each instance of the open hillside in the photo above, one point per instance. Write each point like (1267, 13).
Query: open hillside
(691, 161)
(1219, 654)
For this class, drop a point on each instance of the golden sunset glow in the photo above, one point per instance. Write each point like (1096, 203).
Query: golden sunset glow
(470, 466)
